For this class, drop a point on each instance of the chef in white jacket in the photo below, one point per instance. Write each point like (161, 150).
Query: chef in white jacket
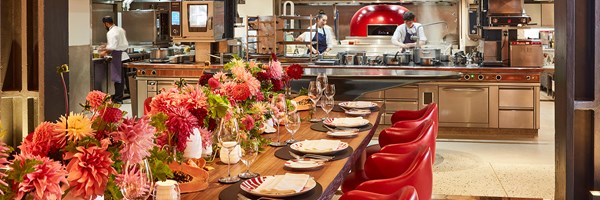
(407, 34)
(116, 46)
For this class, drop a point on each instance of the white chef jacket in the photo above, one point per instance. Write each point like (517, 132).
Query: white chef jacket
(400, 32)
(116, 40)
(329, 36)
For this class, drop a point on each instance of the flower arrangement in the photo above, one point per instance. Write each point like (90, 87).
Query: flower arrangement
(82, 154)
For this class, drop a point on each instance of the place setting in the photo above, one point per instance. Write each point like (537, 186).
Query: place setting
(356, 108)
(287, 186)
(343, 126)
(323, 150)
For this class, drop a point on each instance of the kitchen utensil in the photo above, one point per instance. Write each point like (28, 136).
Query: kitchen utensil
(460, 58)
(391, 59)
(374, 60)
(419, 53)
(360, 60)
(349, 59)
(315, 156)
(428, 61)
(404, 58)
(159, 54)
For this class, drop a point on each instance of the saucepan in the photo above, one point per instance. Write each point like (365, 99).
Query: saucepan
(428, 61)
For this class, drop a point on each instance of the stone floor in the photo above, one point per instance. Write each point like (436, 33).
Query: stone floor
(490, 169)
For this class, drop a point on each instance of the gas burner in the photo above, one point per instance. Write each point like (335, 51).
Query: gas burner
(509, 20)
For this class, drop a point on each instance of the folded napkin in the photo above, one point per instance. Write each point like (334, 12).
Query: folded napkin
(283, 184)
(320, 145)
(360, 104)
(349, 121)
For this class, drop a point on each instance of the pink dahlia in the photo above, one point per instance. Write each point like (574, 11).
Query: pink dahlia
(241, 92)
(137, 136)
(111, 115)
(275, 70)
(164, 100)
(248, 122)
(181, 122)
(194, 97)
(214, 83)
(46, 138)
(44, 182)
(206, 137)
(220, 76)
(133, 182)
(238, 72)
(3, 163)
(89, 170)
(96, 99)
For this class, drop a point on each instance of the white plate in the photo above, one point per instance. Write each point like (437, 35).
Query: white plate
(342, 134)
(358, 104)
(253, 183)
(355, 122)
(303, 164)
(298, 147)
(358, 112)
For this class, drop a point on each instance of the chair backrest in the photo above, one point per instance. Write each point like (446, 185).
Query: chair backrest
(409, 119)
(426, 137)
(406, 193)
(394, 135)
(419, 175)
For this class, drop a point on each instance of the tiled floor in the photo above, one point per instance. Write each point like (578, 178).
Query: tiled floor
(487, 170)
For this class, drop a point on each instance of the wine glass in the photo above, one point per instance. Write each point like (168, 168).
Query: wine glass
(314, 93)
(278, 103)
(228, 136)
(133, 189)
(249, 154)
(322, 79)
(330, 90)
(292, 125)
(327, 105)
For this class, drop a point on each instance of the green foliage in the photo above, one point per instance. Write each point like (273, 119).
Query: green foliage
(303, 91)
(159, 122)
(85, 142)
(160, 170)
(21, 168)
(217, 106)
(112, 190)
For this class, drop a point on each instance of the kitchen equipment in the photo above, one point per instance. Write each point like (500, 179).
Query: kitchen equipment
(349, 59)
(391, 59)
(176, 59)
(464, 105)
(146, 27)
(460, 58)
(374, 60)
(477, 57)
(376, 20)
(426, 53)
(198, 20)
(159, 54)
(445, 58)
(428, 61)
(360, 60)
(505, 7)
(526, 54)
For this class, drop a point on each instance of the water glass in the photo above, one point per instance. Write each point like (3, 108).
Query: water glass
(322, 79)
(228, 136)
(143, 188)
(249, 153)
(279, 103)
(292, 125)
(167, 190)
(327, 105)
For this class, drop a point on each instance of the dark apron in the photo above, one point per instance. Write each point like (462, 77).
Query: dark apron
(116, 67)
(322, 46)
(407, 36)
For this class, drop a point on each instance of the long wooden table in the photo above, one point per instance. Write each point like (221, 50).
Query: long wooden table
(330, 176)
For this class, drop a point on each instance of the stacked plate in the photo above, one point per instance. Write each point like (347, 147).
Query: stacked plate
(304, 164)
(358, 104)
(345, 122)
(279, 186)
(322, 147)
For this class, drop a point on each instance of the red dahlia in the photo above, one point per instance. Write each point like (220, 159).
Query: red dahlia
(294, 71)
(241, 92)
(111, 115)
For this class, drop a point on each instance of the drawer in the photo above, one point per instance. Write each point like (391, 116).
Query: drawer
(402, 93)
(516, 119)
(393, 106)
(372, 95)
(515, 98)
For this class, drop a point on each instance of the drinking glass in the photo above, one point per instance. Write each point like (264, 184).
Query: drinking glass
(292, 125)
(330, 90)
(322, 79)
(249, 154)
(279, 115)
(314, 93)
(166, 190)
(228, 136)
(327, 105)
(137, 190)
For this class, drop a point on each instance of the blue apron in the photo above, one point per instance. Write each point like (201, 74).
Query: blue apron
(116, 66)
(407, 36)
(322, 46)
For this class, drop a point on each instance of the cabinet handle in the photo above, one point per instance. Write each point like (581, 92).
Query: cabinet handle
(464, 89)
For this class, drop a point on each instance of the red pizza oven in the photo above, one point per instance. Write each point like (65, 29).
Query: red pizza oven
(376, 20)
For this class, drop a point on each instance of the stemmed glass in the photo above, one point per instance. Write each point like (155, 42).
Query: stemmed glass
(292, 125)
(144, 188)
(322, 79)
(327, 105)
(228, 136)
(278, 103)
(314, 93)
(249, 154)
(330, 90)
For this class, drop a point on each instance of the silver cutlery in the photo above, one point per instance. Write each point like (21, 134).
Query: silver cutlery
(340, 129)
(315, 156)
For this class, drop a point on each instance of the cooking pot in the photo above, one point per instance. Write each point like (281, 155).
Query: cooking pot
(444, 58)
(159, 54)
(374, 60)
(426, 53)
(391, 59)
(460, 58)
(360, 60)
(349, 59)
(428, 61)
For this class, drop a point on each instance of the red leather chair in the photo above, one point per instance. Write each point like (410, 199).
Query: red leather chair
(430, 111)
(418, 173)
(361, 173)
(406, 193)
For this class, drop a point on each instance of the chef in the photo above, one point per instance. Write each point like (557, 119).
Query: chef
(407, 34)
(116, 46)
(325, 36)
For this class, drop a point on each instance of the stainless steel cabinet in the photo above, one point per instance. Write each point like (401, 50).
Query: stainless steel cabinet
(464, 106)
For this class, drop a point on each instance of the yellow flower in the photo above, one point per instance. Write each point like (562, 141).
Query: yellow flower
(80, 126)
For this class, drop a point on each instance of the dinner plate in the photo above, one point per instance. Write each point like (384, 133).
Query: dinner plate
(298, 147)
(357, 122)
(358, 104)
(253, 183)
(305, 164)
(358, 112)
(342, 134)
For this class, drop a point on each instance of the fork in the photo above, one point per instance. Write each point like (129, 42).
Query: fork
(320, 157)
(341, 129)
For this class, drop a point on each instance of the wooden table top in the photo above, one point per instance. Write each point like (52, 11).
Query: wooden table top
(330, 176)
